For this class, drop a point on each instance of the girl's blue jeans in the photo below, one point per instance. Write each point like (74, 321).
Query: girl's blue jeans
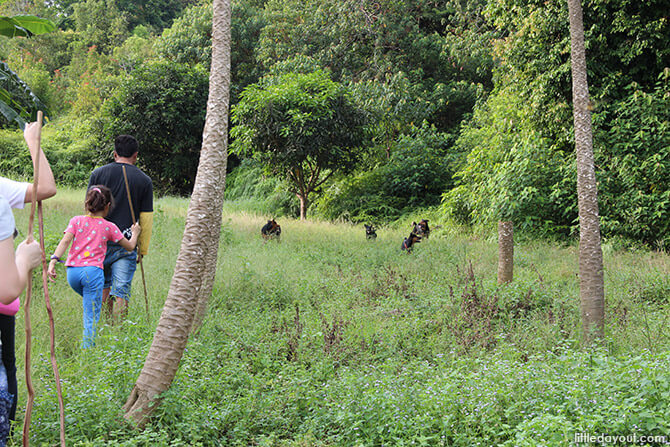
(88, 282)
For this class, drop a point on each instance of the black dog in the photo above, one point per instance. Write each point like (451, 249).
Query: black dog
(370, 232)
(409, 242)
(422, 228)
(271, 230)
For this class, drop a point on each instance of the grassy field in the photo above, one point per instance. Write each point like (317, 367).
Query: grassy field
(326, 339)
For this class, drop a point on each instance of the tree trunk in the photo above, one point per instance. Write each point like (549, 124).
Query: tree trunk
(202, 231)
(505, 251)
(303, 205)
(205, 291)
(591, 287)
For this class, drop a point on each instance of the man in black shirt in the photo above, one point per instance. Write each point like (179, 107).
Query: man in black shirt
(120, 264)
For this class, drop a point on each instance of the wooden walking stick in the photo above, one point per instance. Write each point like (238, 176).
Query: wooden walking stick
(132, 214)
(26, 306)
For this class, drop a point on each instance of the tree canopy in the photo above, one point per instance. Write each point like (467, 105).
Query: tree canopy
(161, 104)
(304, 126)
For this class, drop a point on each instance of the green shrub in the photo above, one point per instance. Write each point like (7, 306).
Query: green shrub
(163, 105)
(420, 169)
(513, 172)
(634, 156)
(652, 289)
(66, 145)
(248, 187)
(15, 159)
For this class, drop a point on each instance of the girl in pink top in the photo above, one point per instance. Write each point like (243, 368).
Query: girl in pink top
(89, 235)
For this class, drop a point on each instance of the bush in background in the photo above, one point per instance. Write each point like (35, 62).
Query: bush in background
(634, 156)
(419, 170)
(68, 148)
(254, 191)
(163, 105)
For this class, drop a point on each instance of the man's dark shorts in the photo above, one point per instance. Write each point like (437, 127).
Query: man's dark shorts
(119, 267)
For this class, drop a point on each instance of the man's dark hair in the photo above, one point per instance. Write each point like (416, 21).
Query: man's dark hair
(125, 145)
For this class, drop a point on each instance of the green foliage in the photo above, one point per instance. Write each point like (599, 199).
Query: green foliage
(303, 125)
(189, 41)
(652, 289)
(24, 26)
(536, 56)
(70, 154)
(376, 41)
(163, 105)
(249, 189)
(328, 340)
(52, 50)
(420, 168)
(634, 153)
(157, 14)
(16, 158)
(247, 23)
(521, 142)
(287, 120)
(134, 51)
(366, 40)
(512, 172)
(100, 24)
(17, 101)
(396, 105)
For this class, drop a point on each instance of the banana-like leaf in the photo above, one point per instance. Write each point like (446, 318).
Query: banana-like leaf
(11, 115)
(17, 102)
(24, 26)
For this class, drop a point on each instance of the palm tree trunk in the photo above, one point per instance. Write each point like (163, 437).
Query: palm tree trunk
(203, 222)
(205, 291)
(591, 287)
(505, 251)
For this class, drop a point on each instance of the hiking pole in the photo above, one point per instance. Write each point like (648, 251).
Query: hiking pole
(132, 214)
(26, 305)
(29, 384)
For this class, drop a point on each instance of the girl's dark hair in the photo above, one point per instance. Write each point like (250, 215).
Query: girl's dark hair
(97, 198)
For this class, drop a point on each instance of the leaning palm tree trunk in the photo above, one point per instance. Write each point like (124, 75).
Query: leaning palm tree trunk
(203, 222)
(591, 287)
(206, 288)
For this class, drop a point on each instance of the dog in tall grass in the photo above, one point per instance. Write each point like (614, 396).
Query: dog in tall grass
(370, 232)
(409, 242)
(421, 229)
(271, 230)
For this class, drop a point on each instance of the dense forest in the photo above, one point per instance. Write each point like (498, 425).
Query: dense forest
(460, 109)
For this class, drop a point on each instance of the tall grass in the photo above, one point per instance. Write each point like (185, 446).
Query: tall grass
(326, 338)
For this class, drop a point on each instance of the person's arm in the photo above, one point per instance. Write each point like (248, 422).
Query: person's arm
(59, 252)
(16, 266)
(46, 186)
(132, 243)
